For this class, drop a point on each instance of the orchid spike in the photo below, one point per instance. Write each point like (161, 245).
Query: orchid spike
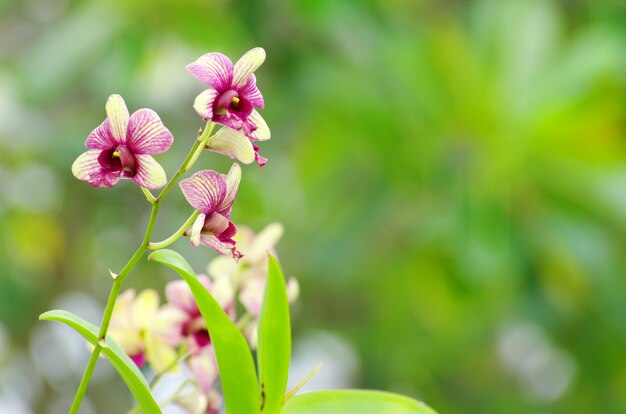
(122, 147)
(233, 95)
(213, 195)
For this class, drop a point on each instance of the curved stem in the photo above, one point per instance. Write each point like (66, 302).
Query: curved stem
(203, 138)
(197, 147)
(151, 199)
(163, 244)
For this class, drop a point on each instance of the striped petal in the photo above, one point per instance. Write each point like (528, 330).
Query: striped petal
(87, 168)
(216, 244)
(147, 134)
(232, 184)
(214, 69)
(149, 173)
(262, 131)
(203, 104)
(246, 66)
(250, 92)
(204, 190)
(117, 113)
(233, 144)
(101, 138)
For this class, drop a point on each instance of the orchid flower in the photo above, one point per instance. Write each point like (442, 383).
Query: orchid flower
(213, 195)
(137, 329)
(248, 277)
(191, 327)
(122, 147)
(232, 98)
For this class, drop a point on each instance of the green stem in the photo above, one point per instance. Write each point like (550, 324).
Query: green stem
(151, 199)
(202, 140)
(106, 320)
(163, 244)
(193, 155)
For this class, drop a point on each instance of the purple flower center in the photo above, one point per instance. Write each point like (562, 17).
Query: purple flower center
(227, 100)
(202, 338)
(118, 159)
(195, 328)
(139, 359)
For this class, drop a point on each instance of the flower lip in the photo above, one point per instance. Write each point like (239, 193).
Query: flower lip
(129, 164)
(110, 161)
(202, 338)
(139, 359)
(119, 159)
(227, 100)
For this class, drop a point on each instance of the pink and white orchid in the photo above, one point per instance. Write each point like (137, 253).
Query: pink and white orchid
(248, 277)
(191, 329)
(213, 195)
(232, 97)
(122, 147)
(137, 326)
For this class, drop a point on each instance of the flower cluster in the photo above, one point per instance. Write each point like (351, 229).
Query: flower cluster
(247, 279)
(156, 335)
(123, 145)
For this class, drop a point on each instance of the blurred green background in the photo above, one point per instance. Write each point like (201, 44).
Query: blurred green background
(451, 176)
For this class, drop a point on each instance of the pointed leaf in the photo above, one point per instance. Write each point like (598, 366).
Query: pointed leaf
(354, 402)
(234, 359)
(274, 344)
(127, 369)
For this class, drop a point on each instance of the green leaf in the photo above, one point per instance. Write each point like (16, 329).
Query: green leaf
(274, 347)
(234, 359)
(354, 402)
(127, 369)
